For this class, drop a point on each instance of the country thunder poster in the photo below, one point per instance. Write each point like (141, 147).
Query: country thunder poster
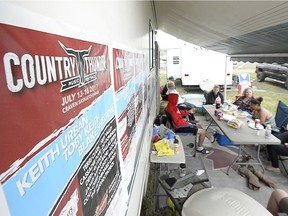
(59, 151)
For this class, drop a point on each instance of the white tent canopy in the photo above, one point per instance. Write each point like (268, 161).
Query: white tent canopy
(255, 31)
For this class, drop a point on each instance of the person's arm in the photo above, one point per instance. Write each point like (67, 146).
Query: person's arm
(184, 112)
(238, 101)
(209, 99)
(253, 115)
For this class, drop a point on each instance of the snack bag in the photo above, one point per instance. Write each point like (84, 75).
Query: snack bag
(235, 123)
(163, 148)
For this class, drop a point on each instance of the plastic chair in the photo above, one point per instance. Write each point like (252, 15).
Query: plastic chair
(175, 128)
(222, 201)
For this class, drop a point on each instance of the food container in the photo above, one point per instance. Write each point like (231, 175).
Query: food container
(219, 115)
(176, 148)
(257, 123)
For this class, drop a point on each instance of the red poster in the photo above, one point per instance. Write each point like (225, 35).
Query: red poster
(45, 81)
(123, 67)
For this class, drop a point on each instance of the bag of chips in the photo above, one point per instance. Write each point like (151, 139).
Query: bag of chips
(163, 148)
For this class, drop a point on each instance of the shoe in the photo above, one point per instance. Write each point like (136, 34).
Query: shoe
(213, 139)
(273, 169)
(203, 151)
(191, 145)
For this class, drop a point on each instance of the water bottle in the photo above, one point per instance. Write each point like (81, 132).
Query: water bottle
(155, 132)
(155, 137)
(268, 131)
(171, 139)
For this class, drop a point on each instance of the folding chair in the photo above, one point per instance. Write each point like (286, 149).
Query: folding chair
(282, 159)
(281, 118)
(175, 128)
(244, 82)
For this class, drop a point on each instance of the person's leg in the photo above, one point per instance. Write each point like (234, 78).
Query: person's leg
(274, 200)
(201, 133)
(200, 148)
(273, 156)
(201, 137)
(284, 137)
(274, 151)
(211, 138)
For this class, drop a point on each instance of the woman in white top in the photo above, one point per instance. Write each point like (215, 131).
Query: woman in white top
(261, 113)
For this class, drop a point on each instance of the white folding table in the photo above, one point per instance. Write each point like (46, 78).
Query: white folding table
(243, 136)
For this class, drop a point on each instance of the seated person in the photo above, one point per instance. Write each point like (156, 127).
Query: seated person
(243, 102)
(181, 104)
(275, 150)
(213, 94)
(163, 92)
(177, 117)
(261, 113)
(278, 202)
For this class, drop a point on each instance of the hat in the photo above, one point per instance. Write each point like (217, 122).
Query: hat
(171, 78)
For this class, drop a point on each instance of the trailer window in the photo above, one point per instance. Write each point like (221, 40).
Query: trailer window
(175, 59)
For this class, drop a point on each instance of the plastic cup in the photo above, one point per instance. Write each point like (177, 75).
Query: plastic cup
(155, 132)
(257, 123)
(170, 135)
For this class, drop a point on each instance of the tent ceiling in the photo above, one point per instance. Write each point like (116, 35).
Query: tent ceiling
(255, 31)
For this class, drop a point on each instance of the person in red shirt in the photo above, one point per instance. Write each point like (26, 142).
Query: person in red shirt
(177, 117)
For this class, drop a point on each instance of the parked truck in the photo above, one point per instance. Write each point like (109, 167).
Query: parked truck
(194, 65)
(274, 71)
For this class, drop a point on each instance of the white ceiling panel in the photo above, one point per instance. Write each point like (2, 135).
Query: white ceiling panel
(237, 28)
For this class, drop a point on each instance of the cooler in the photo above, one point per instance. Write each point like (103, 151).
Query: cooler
(222, 139)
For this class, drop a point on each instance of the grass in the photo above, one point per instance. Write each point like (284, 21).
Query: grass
(272, 91)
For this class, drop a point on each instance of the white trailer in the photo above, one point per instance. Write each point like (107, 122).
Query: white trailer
(196, 65)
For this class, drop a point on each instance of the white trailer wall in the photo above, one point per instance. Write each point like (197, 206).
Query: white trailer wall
(125, 25)
(200, 65)
(174, 63)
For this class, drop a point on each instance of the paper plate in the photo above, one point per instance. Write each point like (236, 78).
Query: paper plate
(252, 125)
